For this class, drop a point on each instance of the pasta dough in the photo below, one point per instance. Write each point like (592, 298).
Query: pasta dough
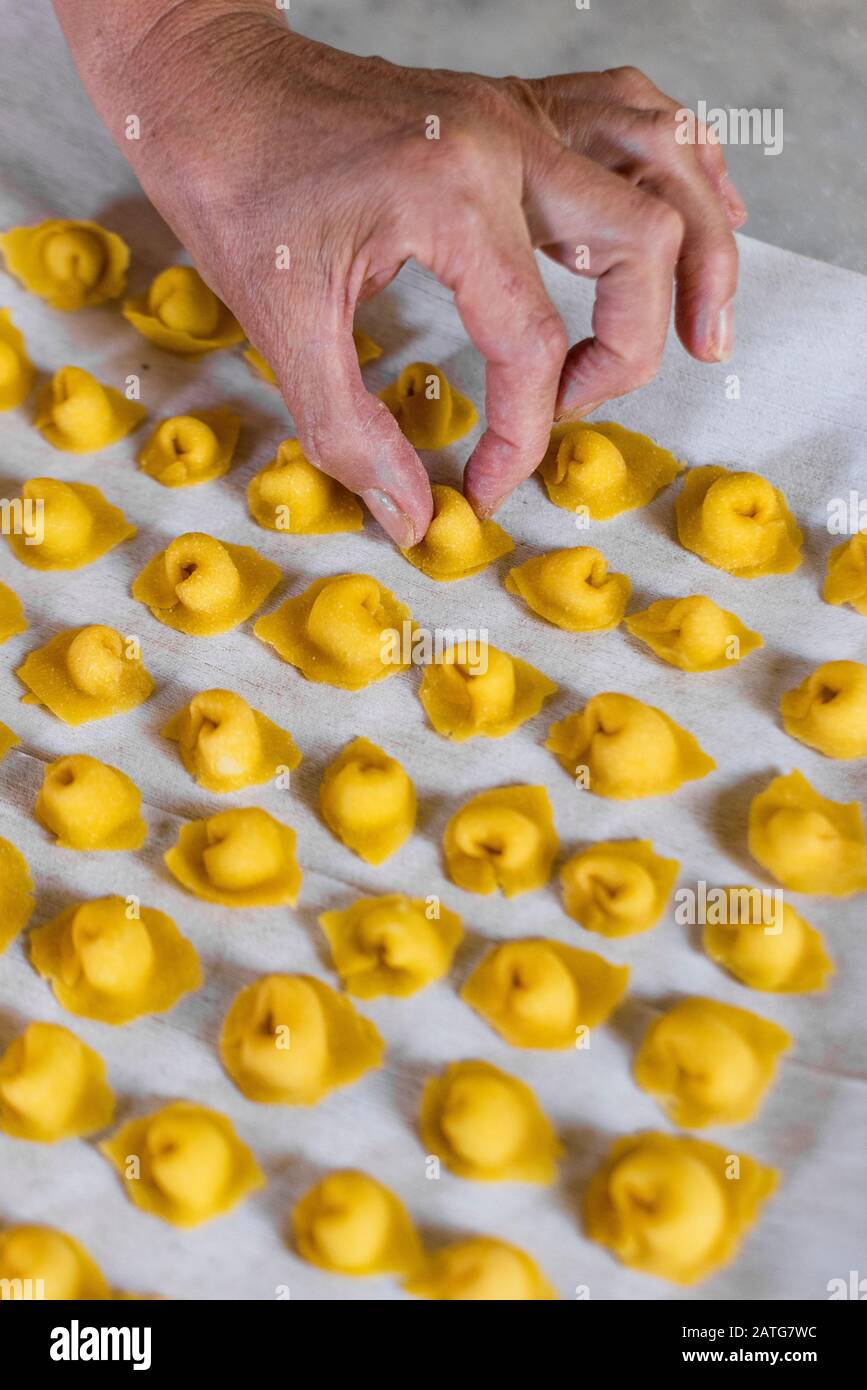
(487, 1125)
(782, 956)
(52, 1087)
(240, 858)
(113, 960)
(226, 745)
(457, 544)
(183, 1163)
(504, 838)
(828, 710)
(86, 673)
(79, 415)
(17, 372)
(621, 748)
(181, 314)
(351, 1224)
(292, 496)
(368, 801)
(392, 945)
(481, 1269)
(366, 350)
(709, 1063)
(72, 265)
(12, 619)
(694, 633)
(78, 526)
(673, 1206)
(846, 580)
(807, 842)
(617, 887)
(203, 586)
(52, 1262)
(739, 522)
(8, 740)
(337, 632)
(186, 450)
(543, 994)
(604, 469)
(572, 589)
(89, 805)
(430, 412)
(290, 1040)
(16, 893)
(478, 691)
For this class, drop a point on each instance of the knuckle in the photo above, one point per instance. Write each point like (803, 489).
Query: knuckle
(548, 332)
(663, 227)
(628, 79)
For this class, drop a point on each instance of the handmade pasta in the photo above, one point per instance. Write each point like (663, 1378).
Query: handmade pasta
(181, 314)
(617, 887)
(78, 526)
(777, 952)
(430, 412)
(478, 691)
(486, 1125)
(481, 1269)
(203, 586)
(227, 745)
(86, 673)
(351, 1224)
(828, 710)
(502, 839)
(52, 1087)
(694, 633)
(16, 893)
(17, 372)
(739, 522)
(604, 469)
(292, 496)
(79, 415)
(621, 748)
(186, 450)
(392, 945)
(72, 265)
(240, 858)
(368, 801)
(457, 544)
(50, 1264)
(12, 619)
(89, 805)
(846, 580)
(572, 589)
(807, 842)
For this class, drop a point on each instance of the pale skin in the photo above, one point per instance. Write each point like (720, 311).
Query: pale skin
(253, 137)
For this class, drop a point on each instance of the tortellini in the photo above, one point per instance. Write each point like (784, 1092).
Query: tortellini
(203, 586)
(290, 1040)
(113, 960)
(343, 631)
(604, 469)
(86, 673)
(828, 710)
(8, 740)
(617, 887)
(368, 801)
(240, 858)
(226, 745)
(783, 955)
(486, 1125)
(72, 265)
(182, 314)
(89, 805)
(366, 350)
(351, 1224)
(79, 415)
(624, 749)
(78, 525)
(807, 842)
(16, 893)
(481, 1269)
(392, 945)
(186, 450)
(457, 544)
(12, 619)
(673, 1206)
(429, 411)
(694, 633)
(572, 589)
(543, 994)
(739, 522)
(846, 580)
(292, 496)
(709, 1063)
(475, 691)
(183, 1163)
(17, 372)
(502, 839)
(49, 1264)
(52, 1087)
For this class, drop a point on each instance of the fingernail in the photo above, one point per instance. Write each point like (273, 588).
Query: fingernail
(383, 506)
(722, 335)
(575, 412)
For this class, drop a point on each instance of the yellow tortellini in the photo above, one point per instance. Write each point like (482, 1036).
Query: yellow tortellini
(77, 525)
(186, 450)
(292, 496)
(777, 953)
(203, 586)
(8, 740)
(226, 745)
(502, 839)
(694, 633)
(79, 415)
(624, 749)
(604, 469)
(457, 544)
(846, 580)
(72, 265)
(183, 1163)
(182, 314)
(739, 522)
(617, 887)
(543, 994)
(828, 710)
(16, 893)
(52, 1087)
(12, 619)
(807, 842)
(49, 1264)
(351, 1224)
(343, 631)
(478, 691)
(240, 858)
(430, 412)
(368, 801)
(290, 1040)
(481, 1269)
(86, 673)
(391, 945)
(17, 372)
(366, 350)
(673, 1206)
(572, 589)
(113, 960)
(709, 1063)
(89, 805)
(486, 1125)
